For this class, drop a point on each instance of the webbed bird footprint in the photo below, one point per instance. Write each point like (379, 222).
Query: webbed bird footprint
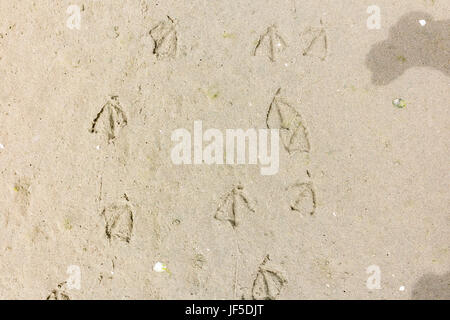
(284, 117)
(314, 42)
(165, 39)
(270, 44)
(119, 222)
(234, 204)
(302, 198)
(110, 120)
(268, 282)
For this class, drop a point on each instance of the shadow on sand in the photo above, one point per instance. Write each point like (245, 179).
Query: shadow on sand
(411, 45)
(432, 286)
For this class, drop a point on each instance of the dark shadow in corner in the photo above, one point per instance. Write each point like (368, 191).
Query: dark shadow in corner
(411, 45)
(432, 287)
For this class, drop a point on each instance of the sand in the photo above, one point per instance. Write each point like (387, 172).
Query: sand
(92, 206)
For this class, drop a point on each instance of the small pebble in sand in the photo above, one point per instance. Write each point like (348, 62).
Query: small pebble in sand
(402, 288)
(399, 103)
(2, 146)
(422, 22)
(97, 147)
(159, 267)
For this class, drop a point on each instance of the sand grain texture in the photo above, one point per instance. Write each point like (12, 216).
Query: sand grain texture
(86, 177)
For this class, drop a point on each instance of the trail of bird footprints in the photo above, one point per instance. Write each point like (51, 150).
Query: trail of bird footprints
(313, 42)
(236, 204)
(270, 44)
(269, 282)
(110, 120)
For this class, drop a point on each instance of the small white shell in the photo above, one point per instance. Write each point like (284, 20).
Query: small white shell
(399, 103)
(159, 267)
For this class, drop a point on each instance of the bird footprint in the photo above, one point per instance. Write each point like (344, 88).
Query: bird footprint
(233, 206)
(268, 282)
(270, 44)
(110, 119)
(119, 222)
(284, 117)
(165, 39)
(314, 42)
(303, 198)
